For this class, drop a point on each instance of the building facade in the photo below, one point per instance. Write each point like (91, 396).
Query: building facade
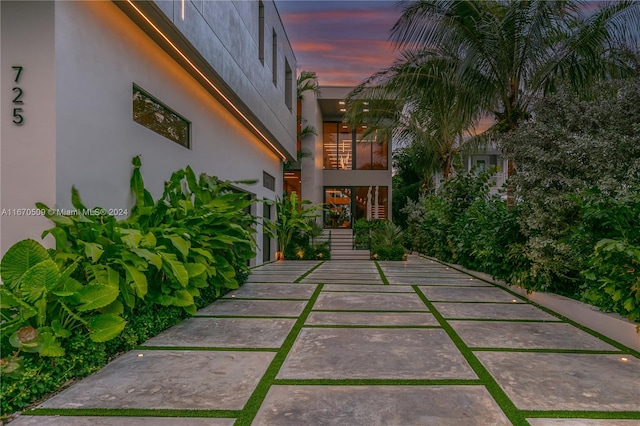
(88, 85)
(341, 168)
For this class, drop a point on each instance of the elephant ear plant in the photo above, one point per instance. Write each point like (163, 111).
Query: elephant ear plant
(197, 236)
(42, 303)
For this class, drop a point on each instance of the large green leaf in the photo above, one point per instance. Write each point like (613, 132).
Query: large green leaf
(131, 237)
(95, 296)
(148, 240)
(50, 345)
(105, 275)
(182, 298)
(75, 199)
(116, 308)
(177, 268)
(18, 259)
(105, 327)
(39, 280)
(92, 251)
(180, 244)
(127, 294)
(152, 258)
(195, 269)
(67, 287)
(137, 279)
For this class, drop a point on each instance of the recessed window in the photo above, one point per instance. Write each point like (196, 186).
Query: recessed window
(288, 85)
(274, 56)
(156, 116)
(261, 32)
(268, 181)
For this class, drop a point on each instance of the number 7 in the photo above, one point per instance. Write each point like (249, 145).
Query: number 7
(18, 68)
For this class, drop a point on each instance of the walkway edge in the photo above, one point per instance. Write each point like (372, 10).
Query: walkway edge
(610, 325)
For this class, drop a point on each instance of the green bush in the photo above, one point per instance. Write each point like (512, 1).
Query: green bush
(363, 231)
(151, 269)
(394, 252)
(612, 279)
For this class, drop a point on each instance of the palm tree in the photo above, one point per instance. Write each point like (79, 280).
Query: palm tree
(497, 57)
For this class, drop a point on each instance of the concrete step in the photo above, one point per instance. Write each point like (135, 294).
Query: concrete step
(350, 255)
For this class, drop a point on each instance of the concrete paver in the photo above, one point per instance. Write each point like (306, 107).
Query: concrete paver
(275, 308)
(169, 379)
(468, 294)
(526, 335)
(225, 332)
(498, 311)
(380, 406)
(358, 332)
(371, 318)
(366, 353)
(369, 302)
(273, 291)
(118, 421)
(559, 381)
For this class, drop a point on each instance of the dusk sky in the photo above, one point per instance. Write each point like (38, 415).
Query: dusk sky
(344, 42)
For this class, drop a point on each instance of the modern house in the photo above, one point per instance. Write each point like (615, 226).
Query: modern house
(87, 85)
(346, 171)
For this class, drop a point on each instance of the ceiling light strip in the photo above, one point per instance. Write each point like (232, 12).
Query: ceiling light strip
(204, 77)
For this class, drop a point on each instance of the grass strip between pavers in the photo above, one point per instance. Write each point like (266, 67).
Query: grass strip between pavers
(270, 299)
(377, 382)
(303, 276)
(247, 316)
(594, 333)
(367, 326)
(501, 398)
(203, 348)
(602, 415)
(542, 321)
(130, 412)
(551, 351)
(385, 281)
(370, 311)
(260, 392)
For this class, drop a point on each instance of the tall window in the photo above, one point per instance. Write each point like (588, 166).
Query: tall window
(261, 32)
(348, 149)
(274, 55)
(156, 116)
(288, 85)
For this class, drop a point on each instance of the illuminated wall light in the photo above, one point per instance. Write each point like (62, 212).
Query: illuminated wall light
(365, 110)
(343, 109)
(182, 9)
(341, 102)
(204, 77)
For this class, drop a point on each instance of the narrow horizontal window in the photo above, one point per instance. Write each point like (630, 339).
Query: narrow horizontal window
(268, 181)
(156, 116)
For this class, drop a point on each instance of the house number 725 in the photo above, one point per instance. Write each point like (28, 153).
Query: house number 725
(18, 119)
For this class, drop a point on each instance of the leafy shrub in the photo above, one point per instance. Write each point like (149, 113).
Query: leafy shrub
(152, 269)
(363, 230)
(294, 218)
(612, 279)
(394, 252)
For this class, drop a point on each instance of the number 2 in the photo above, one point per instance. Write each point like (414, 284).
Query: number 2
(17, 99)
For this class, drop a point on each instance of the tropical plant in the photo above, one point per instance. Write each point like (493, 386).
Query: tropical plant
(463, 60)
(292, 218)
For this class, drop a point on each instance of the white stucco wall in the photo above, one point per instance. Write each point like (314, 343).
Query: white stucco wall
(86, 136)
(27, 152)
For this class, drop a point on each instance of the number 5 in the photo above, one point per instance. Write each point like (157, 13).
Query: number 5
(17, 116)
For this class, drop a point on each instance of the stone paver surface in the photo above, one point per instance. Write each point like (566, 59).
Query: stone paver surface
(118, 421)
(275, 308)
(342, 348)
(171, 379)
(559, 381)
(380, 406)
(226, 332)
(366, 353)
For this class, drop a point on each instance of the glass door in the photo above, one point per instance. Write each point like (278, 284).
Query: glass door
(338, 207)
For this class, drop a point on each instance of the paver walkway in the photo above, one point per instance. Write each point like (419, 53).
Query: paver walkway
(361, 343)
